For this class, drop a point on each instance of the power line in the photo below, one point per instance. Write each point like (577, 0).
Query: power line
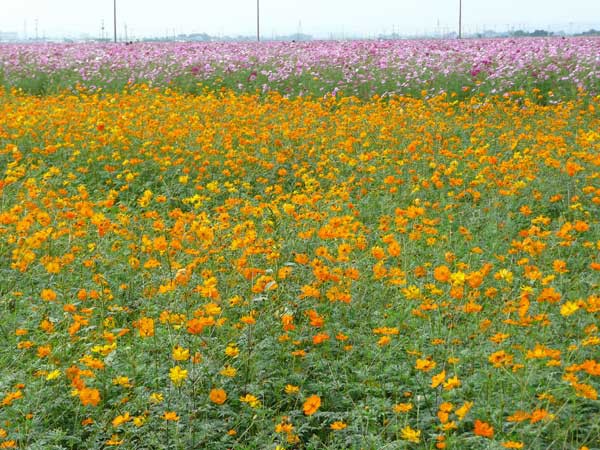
(459, 19)
(115, 18)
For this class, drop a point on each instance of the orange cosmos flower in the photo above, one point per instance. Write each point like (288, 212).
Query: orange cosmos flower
(483, 429)
(89, 396)
(218, 396)
(48, 294)
(145, 327)
(320, 338)
(518, 416)
(500, 358)
(402, 407)
(301, 258)
(581, 226)
(540, 414)
(311, 405)
(121, 419)
(170, 416)
(43, 351)
(559, 266)
(378, 252)
(338, 425)
(441, 274)
(11, 397)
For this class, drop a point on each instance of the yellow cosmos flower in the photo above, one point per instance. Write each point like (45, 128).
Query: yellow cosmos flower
(411, 435)
(290, 389)
(156, 397)
(177, 375)
(425, 365)
(569, 308)
(228, 371)
(232, 351)
(122, 381)
(250, 400)
(53, 375)
(139, 421)
(438, 379)
(180, 353)
(462, 411)
(452, 383)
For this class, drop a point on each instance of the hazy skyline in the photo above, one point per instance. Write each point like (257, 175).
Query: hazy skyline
(278, 17)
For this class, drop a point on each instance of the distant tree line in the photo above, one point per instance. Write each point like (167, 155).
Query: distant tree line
(536, 33)
(591, 32)
(203, 37)
(297, 37)
(544, 33)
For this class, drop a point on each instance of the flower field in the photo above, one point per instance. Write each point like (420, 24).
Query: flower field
(191, 260)
(556, 68)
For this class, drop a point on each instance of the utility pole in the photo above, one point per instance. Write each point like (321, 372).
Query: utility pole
(459, 19)
(115, 19)
(257, 20)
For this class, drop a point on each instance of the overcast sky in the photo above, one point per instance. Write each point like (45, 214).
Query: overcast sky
(317, 17)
